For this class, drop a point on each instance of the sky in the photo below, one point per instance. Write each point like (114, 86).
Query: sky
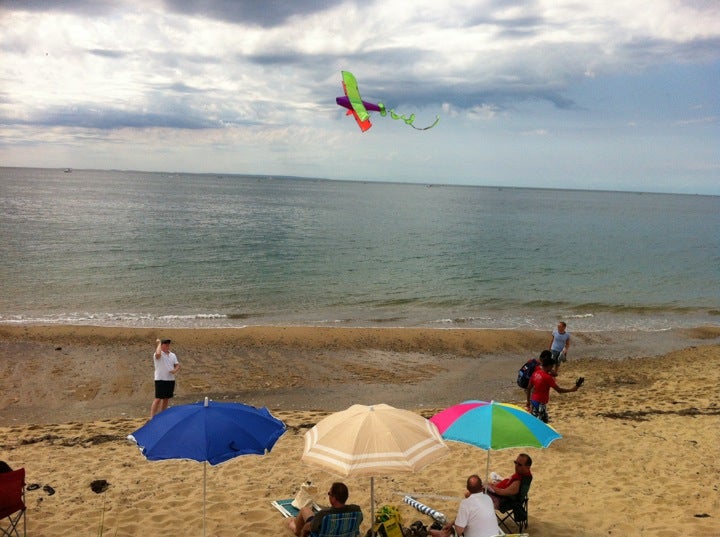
(611, 95)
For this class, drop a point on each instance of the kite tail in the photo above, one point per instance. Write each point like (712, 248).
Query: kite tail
(437, 119)
(408, 120)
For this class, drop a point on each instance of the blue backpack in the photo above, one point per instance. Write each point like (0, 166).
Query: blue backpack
(526, 371)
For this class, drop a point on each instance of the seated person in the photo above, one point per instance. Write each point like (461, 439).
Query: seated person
(476, 516)
(308, 522)
(509, 492)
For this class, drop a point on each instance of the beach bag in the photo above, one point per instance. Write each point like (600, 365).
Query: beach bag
(305, 496)
(388, 522)
(526, 371)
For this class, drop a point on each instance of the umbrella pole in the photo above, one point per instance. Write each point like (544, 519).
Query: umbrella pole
(204, 492)
(372, 503)
(487, 469)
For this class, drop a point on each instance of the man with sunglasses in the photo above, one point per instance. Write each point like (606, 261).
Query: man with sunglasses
(509, 491)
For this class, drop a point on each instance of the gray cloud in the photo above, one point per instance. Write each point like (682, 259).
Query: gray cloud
(178, 87)
(92, 117)
(647, 51)
(264, 13)
(80, 7)
(104, 53)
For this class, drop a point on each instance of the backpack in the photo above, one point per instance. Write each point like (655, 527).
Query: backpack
(526, 371)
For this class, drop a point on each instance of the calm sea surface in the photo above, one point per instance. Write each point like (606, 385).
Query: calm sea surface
(154, 249)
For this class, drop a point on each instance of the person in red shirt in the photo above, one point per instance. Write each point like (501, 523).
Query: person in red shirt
(538, 390)
(506, 493)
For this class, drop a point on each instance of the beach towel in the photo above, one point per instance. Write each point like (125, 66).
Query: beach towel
(286, 508)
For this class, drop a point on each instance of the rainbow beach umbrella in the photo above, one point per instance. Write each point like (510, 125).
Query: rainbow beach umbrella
(493, 426)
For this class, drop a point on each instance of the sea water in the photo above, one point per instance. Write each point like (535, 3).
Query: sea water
(158, 249)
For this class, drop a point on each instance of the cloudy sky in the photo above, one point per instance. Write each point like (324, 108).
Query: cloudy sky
(618, 94)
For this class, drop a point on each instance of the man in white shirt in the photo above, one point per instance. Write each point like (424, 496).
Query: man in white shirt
(476, 514)
(166, 366)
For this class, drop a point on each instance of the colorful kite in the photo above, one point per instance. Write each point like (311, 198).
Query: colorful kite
(359, 108)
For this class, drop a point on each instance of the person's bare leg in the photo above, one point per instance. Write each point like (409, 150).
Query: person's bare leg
(292, 524)
(297, 524)
(156, 407)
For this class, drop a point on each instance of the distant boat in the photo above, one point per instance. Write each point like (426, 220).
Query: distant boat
(68, 170)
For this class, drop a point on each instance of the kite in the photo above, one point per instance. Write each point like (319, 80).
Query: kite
(359, 108)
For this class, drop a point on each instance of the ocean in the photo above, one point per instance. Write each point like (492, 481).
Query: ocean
(124, 248)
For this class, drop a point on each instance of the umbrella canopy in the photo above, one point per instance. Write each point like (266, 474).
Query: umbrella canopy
(373, 441)
(208, 432)
(493, 425)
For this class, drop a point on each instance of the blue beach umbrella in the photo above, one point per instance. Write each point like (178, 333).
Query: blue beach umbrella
(493, 425)
(208, 432)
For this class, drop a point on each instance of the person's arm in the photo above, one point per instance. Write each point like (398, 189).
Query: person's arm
(552, 340)
(565, 390)
(511, 490)
(567, 345)
(158, 350)
(176, 368)
(444, 532)
(528, 392)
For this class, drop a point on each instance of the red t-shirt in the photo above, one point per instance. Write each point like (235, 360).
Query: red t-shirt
(505, 483)
(541, 383)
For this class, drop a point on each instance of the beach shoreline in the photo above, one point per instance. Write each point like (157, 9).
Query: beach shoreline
(636, 457)
(56, 373)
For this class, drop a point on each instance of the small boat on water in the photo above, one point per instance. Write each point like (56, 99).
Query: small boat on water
(68, 170)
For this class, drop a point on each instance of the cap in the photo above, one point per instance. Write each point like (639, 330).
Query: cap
(166, 341)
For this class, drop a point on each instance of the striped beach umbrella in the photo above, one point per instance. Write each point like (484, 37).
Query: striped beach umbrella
(377, 440)
(493, 426)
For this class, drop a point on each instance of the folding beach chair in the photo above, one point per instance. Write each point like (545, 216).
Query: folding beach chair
(515, 511)
(12, 503)
(340, 525)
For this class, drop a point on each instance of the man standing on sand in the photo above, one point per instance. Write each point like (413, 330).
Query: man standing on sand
(538, 390)
(166, 366)
(560, 344)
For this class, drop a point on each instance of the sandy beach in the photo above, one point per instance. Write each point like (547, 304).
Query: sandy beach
(639, 453)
